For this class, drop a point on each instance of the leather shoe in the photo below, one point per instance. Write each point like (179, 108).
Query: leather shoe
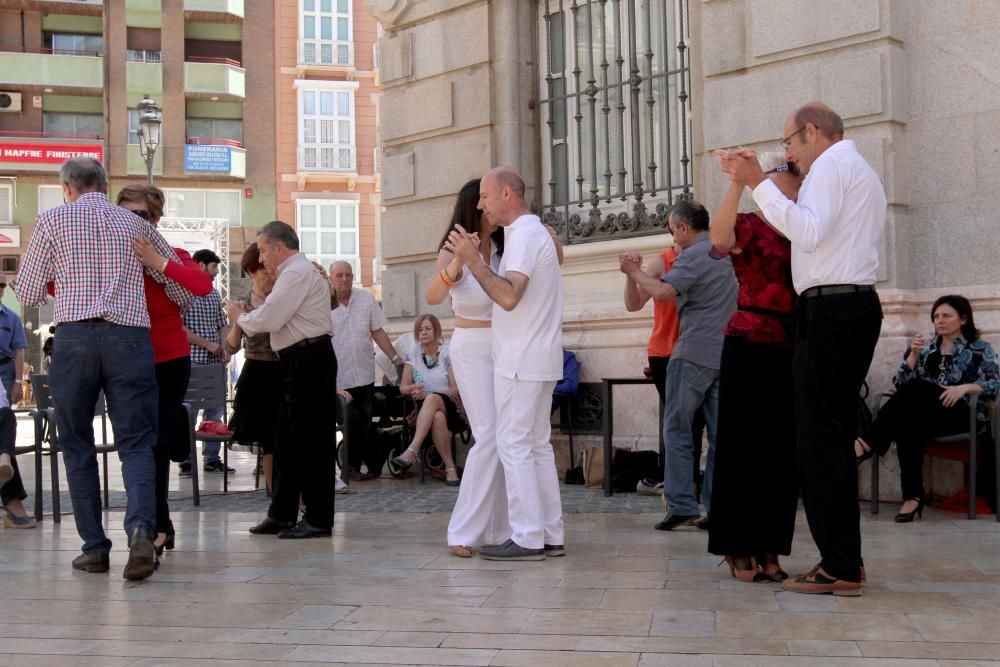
(671, 521)
(269, 526)
(554, 550)
(303, 530)
(818, 582)
(141, 554)
(92, 563)
(511, 550)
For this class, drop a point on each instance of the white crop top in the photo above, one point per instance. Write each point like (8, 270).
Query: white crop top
(468, 299)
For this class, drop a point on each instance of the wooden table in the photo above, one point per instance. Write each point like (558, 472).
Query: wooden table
(608, 420)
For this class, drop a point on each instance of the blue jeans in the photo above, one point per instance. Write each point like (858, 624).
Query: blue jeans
(689, 387)
(89, 357)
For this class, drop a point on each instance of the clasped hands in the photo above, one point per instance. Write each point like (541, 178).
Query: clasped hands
(463, 245)
(629, 262)
(234, 309)
(741, 166)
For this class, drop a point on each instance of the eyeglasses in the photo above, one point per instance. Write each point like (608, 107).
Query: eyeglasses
(779, 168)
(142, 214)
(787, 141)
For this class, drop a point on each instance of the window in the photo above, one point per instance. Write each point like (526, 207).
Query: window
(9, 265)
(224, 204)
(214, 128)
(133, 128)
(49, 196)
(73, 45)
(603, 145)
(328, 231)
(142, 56)
(6, 204)
(326, 130)
(73, 124)
(325, 33)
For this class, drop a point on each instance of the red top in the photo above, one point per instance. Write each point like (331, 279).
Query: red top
(166, 328)
(666, 324)
(764, 270)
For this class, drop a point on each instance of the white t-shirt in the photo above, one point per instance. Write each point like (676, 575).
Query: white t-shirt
(527, 341)
(468, 299)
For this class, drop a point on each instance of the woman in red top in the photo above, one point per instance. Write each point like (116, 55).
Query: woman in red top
(755, 485)
(171, 350)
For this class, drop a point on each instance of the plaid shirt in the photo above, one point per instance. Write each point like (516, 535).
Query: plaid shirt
(85, 248)
(204, 318)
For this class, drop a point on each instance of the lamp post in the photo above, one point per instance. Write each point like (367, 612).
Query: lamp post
(150, 121)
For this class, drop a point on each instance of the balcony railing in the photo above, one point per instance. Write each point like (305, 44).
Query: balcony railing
(45, 68)
(326, 52)
(328, 157)
(231, 7)
(53, 52)
(24, 134)
(214, 141)
(214, 76)
(213, 59)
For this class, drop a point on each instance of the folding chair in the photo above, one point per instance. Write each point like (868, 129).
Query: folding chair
(206, 390)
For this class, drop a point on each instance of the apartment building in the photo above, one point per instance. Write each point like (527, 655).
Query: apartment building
(71, 76)
(326, 96)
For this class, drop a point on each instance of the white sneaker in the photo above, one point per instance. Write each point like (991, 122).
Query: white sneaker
(644, 488)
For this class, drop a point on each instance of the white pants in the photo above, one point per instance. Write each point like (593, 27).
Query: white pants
(480, 514)
(529, 464)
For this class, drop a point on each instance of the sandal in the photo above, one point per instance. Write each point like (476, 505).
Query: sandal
(403, 463)
(751, 575)
(770, 569)
(462, 551)
(866, 451)
(452, 482)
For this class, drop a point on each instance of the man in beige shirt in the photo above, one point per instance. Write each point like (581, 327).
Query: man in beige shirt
(297, 315)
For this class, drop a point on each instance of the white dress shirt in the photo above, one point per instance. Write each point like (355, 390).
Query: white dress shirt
(353, 325)
(297, 308)
(527, 341)
(836, 226)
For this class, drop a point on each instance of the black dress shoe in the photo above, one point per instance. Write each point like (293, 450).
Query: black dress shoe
(269, 526)
(303, 530)
(141, 554)
(92, 563)
(702, 523)
(671, 521)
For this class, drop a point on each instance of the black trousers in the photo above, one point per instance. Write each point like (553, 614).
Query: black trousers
(755, 492)
(362, 449)
(909, 418)
(14, 489)
(658, 369)
(834, 342)
(172, 379)
(305, 453)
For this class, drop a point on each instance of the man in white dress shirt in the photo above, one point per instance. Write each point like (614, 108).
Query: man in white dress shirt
(297, 315)
(835, 229)
(527, 361)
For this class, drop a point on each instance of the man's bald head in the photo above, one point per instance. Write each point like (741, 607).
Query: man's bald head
(825, 119)
(340, 265)
(342, 279)
(501, 195)
(507, 177)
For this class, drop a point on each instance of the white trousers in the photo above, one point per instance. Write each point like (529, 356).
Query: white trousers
(480, 514)
(529, 464)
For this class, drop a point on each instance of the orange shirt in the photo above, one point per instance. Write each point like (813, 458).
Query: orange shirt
(666, 323)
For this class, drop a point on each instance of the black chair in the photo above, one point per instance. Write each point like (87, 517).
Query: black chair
(47, 433)
(956, 447)
(34, 448)
(206, 390)
(429, 457)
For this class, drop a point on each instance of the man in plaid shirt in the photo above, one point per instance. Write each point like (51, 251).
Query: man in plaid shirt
(207, 326)
(85, 248)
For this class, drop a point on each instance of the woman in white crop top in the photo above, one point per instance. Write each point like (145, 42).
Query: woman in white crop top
(480, 514)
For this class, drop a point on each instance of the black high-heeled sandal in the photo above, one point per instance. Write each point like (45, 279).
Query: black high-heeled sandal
(168, 543)
(907, 517)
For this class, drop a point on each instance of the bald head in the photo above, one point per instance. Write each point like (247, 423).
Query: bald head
(501, 196)
(342, 279)
(822, 117)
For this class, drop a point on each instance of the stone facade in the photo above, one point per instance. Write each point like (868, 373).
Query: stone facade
(915, 82)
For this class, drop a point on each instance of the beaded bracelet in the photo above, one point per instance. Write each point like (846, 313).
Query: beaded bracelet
(445, 279)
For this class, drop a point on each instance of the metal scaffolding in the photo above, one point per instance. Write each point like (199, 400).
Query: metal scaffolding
(216, 233)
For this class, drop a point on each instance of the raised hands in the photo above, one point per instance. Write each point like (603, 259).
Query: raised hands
(629, 262)
(463, 245)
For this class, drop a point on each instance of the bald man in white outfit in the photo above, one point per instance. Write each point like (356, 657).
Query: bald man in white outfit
(527, 358)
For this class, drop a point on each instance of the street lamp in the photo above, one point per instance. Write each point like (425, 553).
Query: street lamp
(150, 121)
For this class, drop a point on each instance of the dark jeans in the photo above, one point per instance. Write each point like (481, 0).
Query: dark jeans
(14, 489)
(306, 449)
(87, 358)
(909, 418)
(361, 445)
(834, 342)
(658, 369)
(172, 381)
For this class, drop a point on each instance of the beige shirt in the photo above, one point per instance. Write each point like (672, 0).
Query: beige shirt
(297, 308)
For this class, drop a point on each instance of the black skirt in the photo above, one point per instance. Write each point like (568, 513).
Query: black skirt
(255, 409)
(456, 423)
(755, 487)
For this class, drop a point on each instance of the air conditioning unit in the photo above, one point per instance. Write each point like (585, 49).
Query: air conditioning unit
(10, 102)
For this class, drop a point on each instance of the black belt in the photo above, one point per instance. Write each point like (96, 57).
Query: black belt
(780, 314)
(830, 290)
(305, 342)
(89, 320)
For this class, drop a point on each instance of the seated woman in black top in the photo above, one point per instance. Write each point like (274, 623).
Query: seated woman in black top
(934, 384)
